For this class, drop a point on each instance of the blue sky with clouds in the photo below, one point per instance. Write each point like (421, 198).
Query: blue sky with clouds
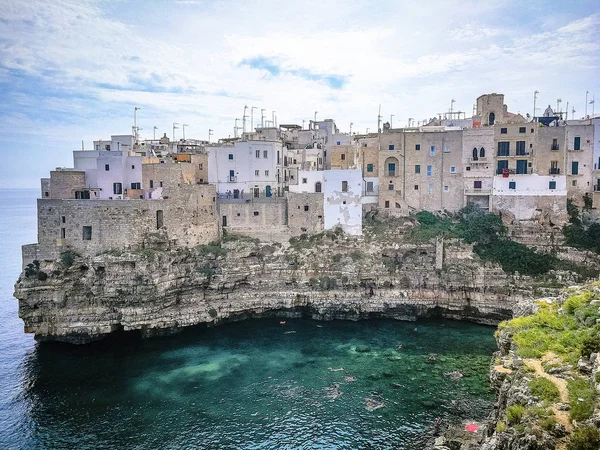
(74, 70)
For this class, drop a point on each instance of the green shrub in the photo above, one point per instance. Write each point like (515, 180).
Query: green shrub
(32, 269)
(548, 423)
(597, 377)
(208, 272)
(356, 255)
(591, 344)
(515, 257)
(42, 276)
(212, 312)
(545, 389)
(67, 258)
(585, 438)
(501, 427)
(514, 414)
(336, 258)
(582, 396)
(214, 248)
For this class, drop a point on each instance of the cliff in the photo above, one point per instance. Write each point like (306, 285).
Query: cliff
(161, 288)
(546, 375)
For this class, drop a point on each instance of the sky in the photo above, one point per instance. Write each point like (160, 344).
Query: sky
(73, 71)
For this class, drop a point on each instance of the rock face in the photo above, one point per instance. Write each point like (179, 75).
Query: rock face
(327, 276)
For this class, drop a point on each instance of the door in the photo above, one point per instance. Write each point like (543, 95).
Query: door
(256, 193)
(224, 221)
(268, 191)
(232, 175)
(236, 193)
(159, 219)
(521, 166)
(501, 166)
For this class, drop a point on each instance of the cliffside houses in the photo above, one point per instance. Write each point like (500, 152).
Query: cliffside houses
(274, 182)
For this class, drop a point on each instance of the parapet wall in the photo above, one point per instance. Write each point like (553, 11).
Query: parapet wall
(93, 226)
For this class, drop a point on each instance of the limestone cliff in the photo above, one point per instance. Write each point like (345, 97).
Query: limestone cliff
(326, 276)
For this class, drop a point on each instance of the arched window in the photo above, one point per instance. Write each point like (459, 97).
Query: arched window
(318, 186)
(482, 152)
(475, 154)
(492, 118)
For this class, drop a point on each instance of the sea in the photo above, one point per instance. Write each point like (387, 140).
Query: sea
(258, 384)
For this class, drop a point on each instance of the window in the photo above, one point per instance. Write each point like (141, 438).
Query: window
(512, 185)
(574, 183)
(231, 156)
(502, 166)
(446, 188)
(318, 186)
(200, 166)
(552, 185)
(136, 186)
(477, 184)
(416, 187)
(46, 194)
(304, 180)
(554, 144)
(428, 171)
(117, 188)
(503, 130)
(265, 154)
(344, 186)
(256, 173)
(417, 168)
(255, 213)
(577, 143)
(554, 170)
(522, 129)
(63, 219)
(446, 149)
(387, 203)
(63, 233)
(417, 146)
(390, 187)
(257, 153)
(106, 167)
(160, 183)
(266, 173)
(574, 168)
(338, 143)
(159, 219)
(87, 233)
(521, 148)
(391, 147)
(151, 184)
(491, 118)
(503, 148)
(482, 152)
(343, 156)
(369, 167)
(430, 188)
(132, 167)
(432, 151)
(452, 169)
(305, 207)
(369, 186)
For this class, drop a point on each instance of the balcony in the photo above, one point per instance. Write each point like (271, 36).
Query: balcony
(555, 147)
(391, 173)
(554, 171)
(477, 191)
(232, 179)
(522, 154)
(527, 171)
(478, 160)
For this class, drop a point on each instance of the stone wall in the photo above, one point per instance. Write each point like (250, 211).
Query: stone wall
(64, 183)
(188, 218)
(305, 213)
(253, 213)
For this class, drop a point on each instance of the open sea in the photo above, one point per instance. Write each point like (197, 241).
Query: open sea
(257, 384)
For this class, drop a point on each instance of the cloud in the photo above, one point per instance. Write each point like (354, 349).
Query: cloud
(73, 70)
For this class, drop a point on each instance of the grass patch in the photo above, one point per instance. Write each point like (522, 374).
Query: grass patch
(514, 414)
(582, 396)
(501, 427)
(544, 389)
(214, 248)
(585, 438)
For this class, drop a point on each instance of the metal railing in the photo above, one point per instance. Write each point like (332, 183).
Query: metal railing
(390, 173)
(555, 147)
(554, 171)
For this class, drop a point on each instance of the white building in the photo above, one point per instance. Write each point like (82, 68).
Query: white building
(254, 167)
(342, 193)
(111, 168)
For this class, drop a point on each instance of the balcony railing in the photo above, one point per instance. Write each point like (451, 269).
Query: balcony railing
(391, 173)
(478, 160)
(232, 179)
(555, 147)
(527, 171)
(477, 191)
(596, 188)
(554, 171)
(522, 153)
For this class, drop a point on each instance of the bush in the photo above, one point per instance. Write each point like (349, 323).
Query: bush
(548, 423)
(214, 248)
(67, 258)
(585, 438)
(544, 389)
(514, 414)
(501, 427)
(582, 396)
(42, 276)
(32, 269)
(591, 344)
(212, 312)
(515, 257)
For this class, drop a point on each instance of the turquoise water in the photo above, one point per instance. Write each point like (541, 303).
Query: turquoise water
(248, 385)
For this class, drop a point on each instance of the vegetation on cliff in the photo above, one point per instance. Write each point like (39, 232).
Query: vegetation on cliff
(548, 372)
(581, 233)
